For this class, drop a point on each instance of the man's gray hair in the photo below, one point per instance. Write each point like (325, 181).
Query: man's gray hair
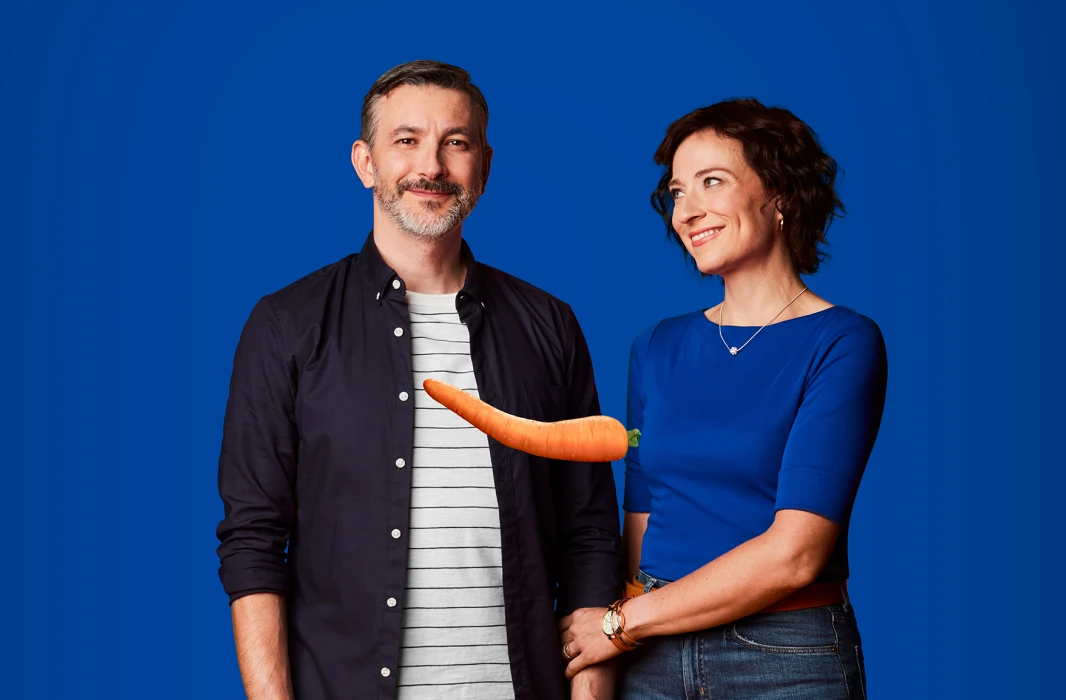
(421, 73)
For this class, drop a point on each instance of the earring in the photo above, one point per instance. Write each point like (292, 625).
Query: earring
(781, 223)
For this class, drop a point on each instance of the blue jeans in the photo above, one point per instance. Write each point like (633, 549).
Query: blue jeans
(811, 654)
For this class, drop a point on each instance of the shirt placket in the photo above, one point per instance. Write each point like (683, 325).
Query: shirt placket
(395, 327)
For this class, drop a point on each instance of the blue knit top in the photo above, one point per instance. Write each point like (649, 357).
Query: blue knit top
(727, 441)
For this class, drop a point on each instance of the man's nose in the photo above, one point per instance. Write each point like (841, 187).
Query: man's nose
(430, 165)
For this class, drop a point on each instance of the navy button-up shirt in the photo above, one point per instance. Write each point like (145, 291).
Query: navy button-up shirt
(320, 415)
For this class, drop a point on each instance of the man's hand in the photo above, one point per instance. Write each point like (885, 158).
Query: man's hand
(594, 682)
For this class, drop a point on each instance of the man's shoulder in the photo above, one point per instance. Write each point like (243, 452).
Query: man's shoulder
(506, 284)
(313, 288)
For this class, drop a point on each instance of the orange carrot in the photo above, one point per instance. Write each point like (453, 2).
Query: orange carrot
(591, 439)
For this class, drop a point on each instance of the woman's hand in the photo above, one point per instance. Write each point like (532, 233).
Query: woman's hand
(582, 636)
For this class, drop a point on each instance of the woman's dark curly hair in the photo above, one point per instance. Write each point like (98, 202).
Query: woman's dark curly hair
(786, 155)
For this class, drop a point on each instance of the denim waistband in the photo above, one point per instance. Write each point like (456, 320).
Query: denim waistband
(650, 582)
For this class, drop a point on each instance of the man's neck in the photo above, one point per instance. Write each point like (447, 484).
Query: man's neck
(428, 267)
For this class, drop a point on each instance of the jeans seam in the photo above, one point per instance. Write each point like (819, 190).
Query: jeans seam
(858, 664)
(836, 638)
(701, 674)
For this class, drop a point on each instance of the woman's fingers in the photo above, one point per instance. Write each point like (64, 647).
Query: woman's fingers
(575, 666)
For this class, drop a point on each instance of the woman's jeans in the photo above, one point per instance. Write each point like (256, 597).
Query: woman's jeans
(811, 654)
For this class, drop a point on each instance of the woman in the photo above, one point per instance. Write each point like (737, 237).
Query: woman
(757, 417)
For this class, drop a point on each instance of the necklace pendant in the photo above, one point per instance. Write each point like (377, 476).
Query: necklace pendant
(733, 351)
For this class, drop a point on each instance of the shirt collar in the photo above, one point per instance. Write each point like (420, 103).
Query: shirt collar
(381, 277)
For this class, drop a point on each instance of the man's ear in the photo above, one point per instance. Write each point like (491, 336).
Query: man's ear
(361, 162)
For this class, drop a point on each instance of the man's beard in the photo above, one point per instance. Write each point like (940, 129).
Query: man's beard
(430, 223)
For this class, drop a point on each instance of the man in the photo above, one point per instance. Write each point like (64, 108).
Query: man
(375, 545)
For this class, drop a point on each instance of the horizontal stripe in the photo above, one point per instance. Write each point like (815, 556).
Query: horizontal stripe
(427, 413)
(454, 517)
(472, 556)
(440, 331)
(459, 497)
(426, 656)
(466, 457)
(449, 438)
(454, 617)
(421, 344)
(458, 597)
(428, 477)
(484, 691)
(423, 400)
(461, 537)
(450, 578)
(455, 635)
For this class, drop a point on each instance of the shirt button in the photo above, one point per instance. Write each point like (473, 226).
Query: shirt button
(391, 602)
(385, 672)
(396, 284)
(400, 463)
(398, 332)
(403, 396)
(395, 534)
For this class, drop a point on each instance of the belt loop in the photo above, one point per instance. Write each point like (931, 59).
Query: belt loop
(649, 584)
(844, 594)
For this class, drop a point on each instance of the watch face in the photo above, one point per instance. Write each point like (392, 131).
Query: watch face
(608, 623)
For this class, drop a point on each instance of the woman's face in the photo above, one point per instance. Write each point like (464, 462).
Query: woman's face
(721, 210)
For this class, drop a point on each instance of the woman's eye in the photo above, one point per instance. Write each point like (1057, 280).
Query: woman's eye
(711, 181)
(674, 194)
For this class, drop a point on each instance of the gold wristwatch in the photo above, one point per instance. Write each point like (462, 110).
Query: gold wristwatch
(613, 625)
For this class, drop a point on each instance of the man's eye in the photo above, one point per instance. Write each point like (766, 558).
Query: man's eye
(405, 142)
(457, 142)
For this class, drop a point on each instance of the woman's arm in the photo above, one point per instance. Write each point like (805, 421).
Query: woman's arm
(763, 570)
(766, 568)
(633, 527)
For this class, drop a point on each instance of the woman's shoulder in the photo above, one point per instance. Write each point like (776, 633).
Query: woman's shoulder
(844, 332)
(667, 329)
(844, 320)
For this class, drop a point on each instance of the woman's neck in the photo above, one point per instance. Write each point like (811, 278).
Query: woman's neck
(755, 295)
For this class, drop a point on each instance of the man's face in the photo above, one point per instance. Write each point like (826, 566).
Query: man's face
(428, 164)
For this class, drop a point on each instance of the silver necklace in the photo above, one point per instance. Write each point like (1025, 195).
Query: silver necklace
(734, 350)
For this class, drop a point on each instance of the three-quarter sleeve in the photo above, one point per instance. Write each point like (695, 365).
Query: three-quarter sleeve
(257, 465)
(637, 496)
(836, 425)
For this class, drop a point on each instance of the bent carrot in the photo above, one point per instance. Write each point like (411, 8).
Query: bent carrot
(590, 439)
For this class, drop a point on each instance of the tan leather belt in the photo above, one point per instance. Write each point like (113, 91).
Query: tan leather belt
(813, 596)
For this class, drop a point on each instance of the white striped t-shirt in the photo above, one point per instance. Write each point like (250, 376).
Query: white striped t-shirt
(453, 643)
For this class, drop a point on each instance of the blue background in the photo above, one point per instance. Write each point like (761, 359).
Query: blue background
(165, 166)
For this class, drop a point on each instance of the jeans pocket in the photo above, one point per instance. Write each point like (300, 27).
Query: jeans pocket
(809, 631)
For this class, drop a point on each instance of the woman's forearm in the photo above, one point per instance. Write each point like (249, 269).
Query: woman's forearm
(742, 581)
(633, 528)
